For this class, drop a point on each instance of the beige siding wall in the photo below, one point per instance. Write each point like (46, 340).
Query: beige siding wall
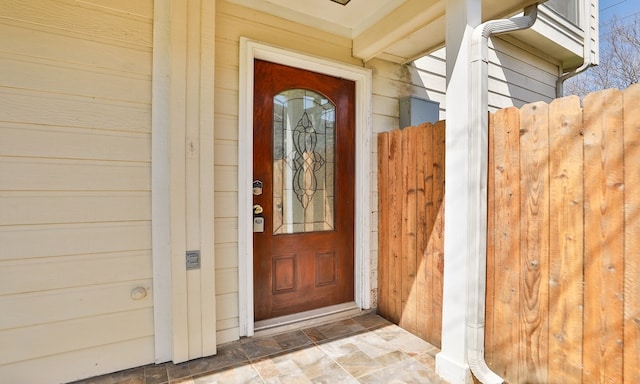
(517, 75)
(75, 233)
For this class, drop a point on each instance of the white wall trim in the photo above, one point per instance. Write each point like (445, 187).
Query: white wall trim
(160, 217)
(183, 182)
(250, 50)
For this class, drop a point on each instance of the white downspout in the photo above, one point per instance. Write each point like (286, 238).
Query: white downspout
(478, 164)
(586, 54)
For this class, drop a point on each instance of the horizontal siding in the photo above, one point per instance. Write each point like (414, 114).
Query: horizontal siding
(39, 241)
(226, 178)
(226, 152)
(226, 255)
(228, 76)
(226, 280)
(57, 368)
(226, 127)
(71, 111)
(36, 174)
(518, 77)
(75, 188)
(27, 140)
(75, 271)
(385, 105)
(25, 208)
(124, 59)
(37, 308)
(226, 205)
(143, 8)
(227, 320)
(226, 230)
(69, 78)
(82, 18)
(64, 336)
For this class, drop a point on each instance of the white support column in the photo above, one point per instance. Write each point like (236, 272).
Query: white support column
(462, 17)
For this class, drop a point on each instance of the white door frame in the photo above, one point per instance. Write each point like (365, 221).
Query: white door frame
(250, 50)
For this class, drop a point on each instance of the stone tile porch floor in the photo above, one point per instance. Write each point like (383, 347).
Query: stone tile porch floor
(363, 349)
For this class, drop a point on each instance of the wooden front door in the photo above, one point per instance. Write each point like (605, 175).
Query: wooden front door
(304, 172)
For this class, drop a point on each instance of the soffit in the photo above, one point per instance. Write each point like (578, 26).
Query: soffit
(397, 30)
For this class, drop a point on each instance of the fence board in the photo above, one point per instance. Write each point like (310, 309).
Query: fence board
(436, 241)
(424, 293)
(632, 229)
(490, 332)
(384, 226)
(603, 237)
(503, 350)
(408, 318)
(566, 235)
(534, 242)
(395, 230)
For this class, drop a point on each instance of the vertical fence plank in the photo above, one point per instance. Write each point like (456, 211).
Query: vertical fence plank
(604, 243)
(534, 241)
(383, 224)
(489, 330)
(503, 353)
(395, 188)
(436, 239)
(565, 240)
(631, 231)
(409, 220)
(424, 297)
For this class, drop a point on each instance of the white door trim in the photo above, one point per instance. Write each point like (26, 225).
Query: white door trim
(250, 50)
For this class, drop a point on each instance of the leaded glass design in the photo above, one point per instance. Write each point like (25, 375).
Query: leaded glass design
(303, 162)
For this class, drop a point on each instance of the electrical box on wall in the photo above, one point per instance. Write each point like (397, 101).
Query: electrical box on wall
(193, 260)
(415, 111)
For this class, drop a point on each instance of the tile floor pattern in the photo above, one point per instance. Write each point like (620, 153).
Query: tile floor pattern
(364, 349)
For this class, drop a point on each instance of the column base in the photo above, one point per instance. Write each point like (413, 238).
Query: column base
(453, 371)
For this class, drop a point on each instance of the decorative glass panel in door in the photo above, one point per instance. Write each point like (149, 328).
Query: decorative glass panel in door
(303, 162)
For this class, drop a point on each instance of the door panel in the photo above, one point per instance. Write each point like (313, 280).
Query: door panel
(304, 157)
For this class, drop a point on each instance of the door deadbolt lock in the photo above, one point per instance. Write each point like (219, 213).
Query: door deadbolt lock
(257, 187)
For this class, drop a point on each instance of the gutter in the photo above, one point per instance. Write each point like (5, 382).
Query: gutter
(477, 190)
(586, 63)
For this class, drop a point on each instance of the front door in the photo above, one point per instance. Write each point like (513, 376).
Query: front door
(304, 172)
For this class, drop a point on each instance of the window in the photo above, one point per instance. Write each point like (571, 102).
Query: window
(566, 8)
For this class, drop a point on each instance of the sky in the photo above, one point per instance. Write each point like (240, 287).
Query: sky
(624, 10)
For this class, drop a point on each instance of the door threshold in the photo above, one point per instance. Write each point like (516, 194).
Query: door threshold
(306, 319)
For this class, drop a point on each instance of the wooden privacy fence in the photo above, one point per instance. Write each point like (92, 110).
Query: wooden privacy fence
(563, 257)
(410, 228)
